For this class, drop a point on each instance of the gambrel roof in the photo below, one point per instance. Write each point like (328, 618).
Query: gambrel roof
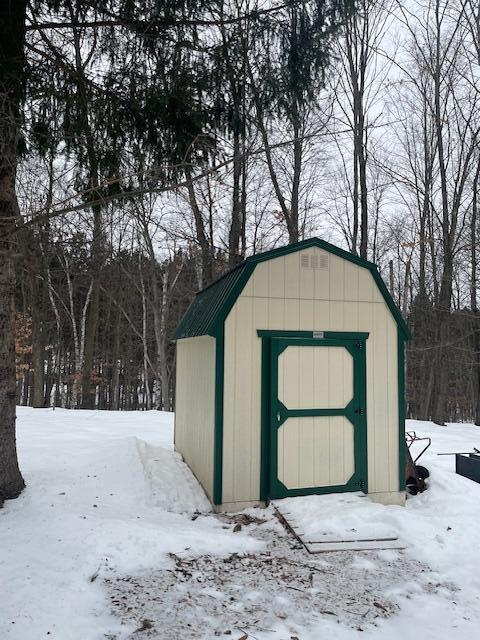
(211, 305)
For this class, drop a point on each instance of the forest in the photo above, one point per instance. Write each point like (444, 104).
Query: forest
(155, 145)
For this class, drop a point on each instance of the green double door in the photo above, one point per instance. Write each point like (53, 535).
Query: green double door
(317, 427)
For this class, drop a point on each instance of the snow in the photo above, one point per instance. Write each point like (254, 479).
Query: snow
(340, 516)
(114, 539)
(89, 508)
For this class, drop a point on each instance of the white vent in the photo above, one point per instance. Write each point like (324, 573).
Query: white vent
(323, 261)
(314, 261)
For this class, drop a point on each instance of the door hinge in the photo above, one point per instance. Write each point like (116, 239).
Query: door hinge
(360, 411)
(359, 483)
(359, 345)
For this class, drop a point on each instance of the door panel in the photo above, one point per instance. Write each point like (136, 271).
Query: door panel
(302, 379)
(317, 412)
(315, 452)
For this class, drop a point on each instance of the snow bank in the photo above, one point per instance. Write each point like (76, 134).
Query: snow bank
(106, 497)
(91, 508)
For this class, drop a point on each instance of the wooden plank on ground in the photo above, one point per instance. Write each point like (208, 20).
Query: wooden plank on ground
(359, 545)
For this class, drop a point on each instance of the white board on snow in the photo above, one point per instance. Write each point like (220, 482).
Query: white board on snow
(339, 521)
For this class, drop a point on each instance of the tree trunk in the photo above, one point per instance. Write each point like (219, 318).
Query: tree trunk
(89, 388)
(293, 222)
(205, 248)
(115, 384)
(12, 39)
(234, 256)
(38, 325)
(441, 363)
(473, 297)
(38, 355)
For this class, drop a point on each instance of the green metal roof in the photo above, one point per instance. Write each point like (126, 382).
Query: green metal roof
(211, 305)
(201, 316)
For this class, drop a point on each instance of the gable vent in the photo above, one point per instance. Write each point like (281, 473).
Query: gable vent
(305, 260)
(314, 261)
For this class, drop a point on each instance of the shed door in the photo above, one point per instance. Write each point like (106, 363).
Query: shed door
(317, 409)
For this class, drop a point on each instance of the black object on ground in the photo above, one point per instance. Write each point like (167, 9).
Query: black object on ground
(415, 474)
(468, 466)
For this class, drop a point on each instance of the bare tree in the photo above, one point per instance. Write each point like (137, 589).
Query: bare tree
(358, 96)
(12, 61)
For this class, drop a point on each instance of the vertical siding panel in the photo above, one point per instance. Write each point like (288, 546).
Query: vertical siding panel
(350, 281)
(306, 280)
(322, 449)
(276, 313)
(366, 323)
(292, 275)
(350, 315)
(306, 478)
(292, 314)
(248, 289)
(365, 285)
(306, 315)
(321, 290)
(259, 320)
(337, 278)
(289, 387)
(195, 406)
(376, 295)
(337, 316)
(242, 418)
(381, 460)
(322, 380)
(336, 376)
(260, 280)
(321, 315)
(306, 376)
(393, 425)
(336, 450)
(276, 278)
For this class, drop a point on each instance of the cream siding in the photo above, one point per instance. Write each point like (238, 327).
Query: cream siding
(315, 452)
(302, 379)
(331, 295)
(195, 406)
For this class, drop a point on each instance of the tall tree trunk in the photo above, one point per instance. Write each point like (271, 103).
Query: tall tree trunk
(38, 351)
(12, 42)
(234, 256)
(473, 296)
(89, 388)
(115, 393)
(362, 174)
(205, 246)
(293, 227)
(448, 231)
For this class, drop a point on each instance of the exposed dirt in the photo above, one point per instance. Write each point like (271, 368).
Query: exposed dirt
(240, 596)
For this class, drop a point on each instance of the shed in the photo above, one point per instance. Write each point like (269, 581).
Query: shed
(290, 380)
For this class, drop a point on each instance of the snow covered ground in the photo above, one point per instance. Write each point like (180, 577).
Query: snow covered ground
(113, 539)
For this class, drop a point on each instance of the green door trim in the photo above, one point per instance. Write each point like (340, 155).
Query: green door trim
(329, 335)
(218, 416)
(274, 343)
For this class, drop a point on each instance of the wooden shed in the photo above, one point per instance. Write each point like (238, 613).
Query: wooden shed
(290, 380)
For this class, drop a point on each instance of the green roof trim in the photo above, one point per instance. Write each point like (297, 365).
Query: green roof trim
(212, 305)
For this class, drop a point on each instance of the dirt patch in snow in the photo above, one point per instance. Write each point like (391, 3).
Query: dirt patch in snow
(284, 587)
